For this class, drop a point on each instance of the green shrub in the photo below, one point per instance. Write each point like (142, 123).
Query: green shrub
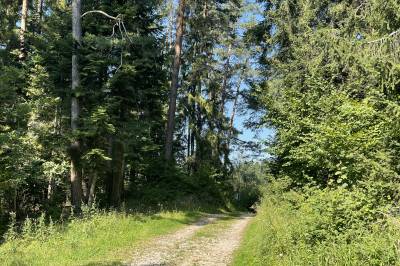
(332, 226)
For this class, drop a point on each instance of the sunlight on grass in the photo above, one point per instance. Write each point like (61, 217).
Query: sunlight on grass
(279, 236)
(105, 239)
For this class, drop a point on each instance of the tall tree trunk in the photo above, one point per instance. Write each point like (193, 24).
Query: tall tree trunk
(234, 108)
(24, 18)
(169, 35)
(92, 188)
(85, 187)
(118, 166)
(235, 102)
(188, 138)
(199, 128)
(75, 177)
(39, 16)
(174, 81)
(225, 81)
(231, 121)
(50, 188)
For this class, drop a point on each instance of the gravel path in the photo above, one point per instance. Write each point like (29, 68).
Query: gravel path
(185, 249)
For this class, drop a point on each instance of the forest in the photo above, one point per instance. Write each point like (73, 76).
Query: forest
(147, 117)
(103, 102)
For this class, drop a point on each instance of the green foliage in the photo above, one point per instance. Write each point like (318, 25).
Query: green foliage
(320, 227)
(331, 94)
(122, 99)
(248, 180)
(117, 101)
(333, 113)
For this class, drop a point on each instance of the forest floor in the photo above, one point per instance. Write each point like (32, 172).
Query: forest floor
(210, 241)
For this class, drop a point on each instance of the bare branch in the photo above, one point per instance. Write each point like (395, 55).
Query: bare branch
(126, 32)
(121, 63)
(113, 30)
(121, 27)
(386, 37)
(101, 12)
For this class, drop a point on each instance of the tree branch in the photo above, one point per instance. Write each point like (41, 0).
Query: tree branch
(386, 37)
(101, 12)
(118, 23)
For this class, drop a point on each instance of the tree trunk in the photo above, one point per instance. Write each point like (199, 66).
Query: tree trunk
(118, 166)
(85, 187)
(199, 127)
(92, 188)
(76, 183)
(231, 120)
(39, 15)
(225, 81)
(50, 189)
(235, 102)
(174, 81)
(169, 35)
(234, 108)
(24, 18)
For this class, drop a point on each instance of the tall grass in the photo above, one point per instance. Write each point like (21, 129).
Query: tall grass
(294, 230)
(103, 238)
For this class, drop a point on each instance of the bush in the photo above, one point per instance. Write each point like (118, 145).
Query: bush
(336, 226)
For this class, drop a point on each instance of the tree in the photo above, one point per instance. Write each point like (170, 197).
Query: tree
(328, 111)
(24, 18)
(75, 148)
(110, 78)
(174, 81)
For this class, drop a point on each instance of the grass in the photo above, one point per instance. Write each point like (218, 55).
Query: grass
(281, 235)
(102, 239)
(248, 252)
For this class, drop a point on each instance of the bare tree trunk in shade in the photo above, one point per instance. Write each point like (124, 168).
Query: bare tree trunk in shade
(174, 81)
(85, 187)
(24, 18)
(118, 166)
(75, 176)
(92, 188)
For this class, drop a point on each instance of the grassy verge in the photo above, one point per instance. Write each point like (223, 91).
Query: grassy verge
(102, 239)
(248, 252)
(307, 232)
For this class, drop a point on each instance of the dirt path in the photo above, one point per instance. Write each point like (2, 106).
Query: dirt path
(211, 241)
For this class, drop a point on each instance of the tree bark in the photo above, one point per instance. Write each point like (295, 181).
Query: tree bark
(50, 189)
(39, 15)
(118, 166)
(75, 176)
(92, 188)
(24, 18)
(85, 187)
(234, 108)
(169, 35)
(174, 81)
(225, 81)
(199, 127)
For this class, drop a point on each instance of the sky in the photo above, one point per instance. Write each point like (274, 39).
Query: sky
(240, 153)
(250, 134)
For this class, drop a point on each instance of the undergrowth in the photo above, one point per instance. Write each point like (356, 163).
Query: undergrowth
(331, 226)
(99, 237)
